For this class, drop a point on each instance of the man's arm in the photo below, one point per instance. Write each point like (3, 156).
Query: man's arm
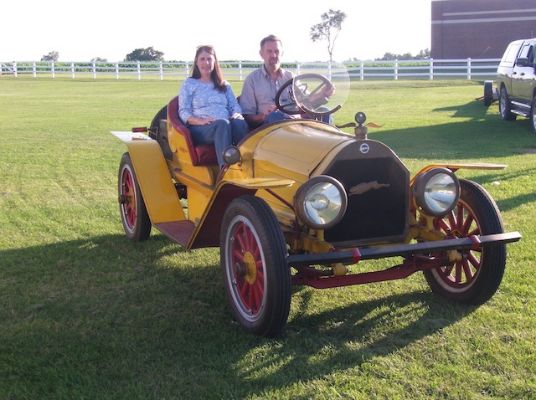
(248, 103)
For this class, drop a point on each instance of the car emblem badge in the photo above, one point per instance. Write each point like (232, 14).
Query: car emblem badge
(366, 186)
(364, 148)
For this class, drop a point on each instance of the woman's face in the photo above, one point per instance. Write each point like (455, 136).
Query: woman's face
(205, 63)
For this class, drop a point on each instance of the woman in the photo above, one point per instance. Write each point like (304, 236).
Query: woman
(208, 106)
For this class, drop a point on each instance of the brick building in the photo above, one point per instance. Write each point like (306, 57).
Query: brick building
(479, 28)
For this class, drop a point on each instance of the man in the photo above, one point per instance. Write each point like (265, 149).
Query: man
(260, 87)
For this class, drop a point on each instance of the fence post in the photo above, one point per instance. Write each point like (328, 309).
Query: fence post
(94, 67)
(186, 69)
(72, 70)
(396, 69)
(298, 68)
(53, 69)
(34, 70)
(362, 71)
(431, 69)
(240, 70)
(116, 70)
(138, 66)
(161, 71)
(15, 69)
(469, 68)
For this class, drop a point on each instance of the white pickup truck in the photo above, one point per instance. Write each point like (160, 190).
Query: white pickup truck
(516, 81)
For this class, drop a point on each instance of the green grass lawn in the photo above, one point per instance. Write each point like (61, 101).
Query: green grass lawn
(86, 314)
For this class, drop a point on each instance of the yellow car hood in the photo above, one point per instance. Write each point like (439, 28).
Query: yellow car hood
(297, 147)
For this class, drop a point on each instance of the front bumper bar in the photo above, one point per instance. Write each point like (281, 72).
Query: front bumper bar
(353, 256)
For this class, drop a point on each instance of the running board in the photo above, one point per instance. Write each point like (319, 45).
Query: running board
(518, 112)
(520, 105)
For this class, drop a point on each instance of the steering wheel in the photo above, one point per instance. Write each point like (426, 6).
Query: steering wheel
(296, 97)
(286, 103)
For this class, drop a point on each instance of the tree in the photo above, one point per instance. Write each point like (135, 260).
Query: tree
(147, 54)
(328, 29)
(406, 56)
(98, 59)
(52, 56)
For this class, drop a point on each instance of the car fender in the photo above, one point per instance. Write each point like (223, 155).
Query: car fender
(157, 188)
(456, 166)
(207, 233)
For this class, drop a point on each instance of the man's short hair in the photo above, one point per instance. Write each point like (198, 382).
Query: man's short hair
(271, 38)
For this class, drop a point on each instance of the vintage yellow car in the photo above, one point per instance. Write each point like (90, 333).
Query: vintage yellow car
(300, 202)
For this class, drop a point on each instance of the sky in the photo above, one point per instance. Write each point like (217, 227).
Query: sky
(110, 29)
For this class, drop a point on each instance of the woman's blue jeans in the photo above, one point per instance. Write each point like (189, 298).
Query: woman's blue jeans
(222, 133)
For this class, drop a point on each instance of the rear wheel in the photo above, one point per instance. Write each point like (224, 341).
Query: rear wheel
(488, 93)
(134, 216)
(253, 259)
(504, 106)
(476, 276)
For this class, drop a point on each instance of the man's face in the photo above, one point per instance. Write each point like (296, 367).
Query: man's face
(270, 53)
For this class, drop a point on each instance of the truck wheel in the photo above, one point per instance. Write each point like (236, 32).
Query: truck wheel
(134, 217)
(533, 114)
(488, 93)
(504, 106)
(253, 258)
(476, 276)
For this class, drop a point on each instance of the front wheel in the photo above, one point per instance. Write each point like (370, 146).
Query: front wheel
(253, 259)
(134, 216)
(505, 107)
(533, 114)
(476, 276)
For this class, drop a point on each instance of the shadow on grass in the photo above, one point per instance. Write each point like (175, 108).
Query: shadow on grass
(106, 318)
(480, 136)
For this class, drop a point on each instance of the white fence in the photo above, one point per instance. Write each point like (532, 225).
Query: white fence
(237, 70)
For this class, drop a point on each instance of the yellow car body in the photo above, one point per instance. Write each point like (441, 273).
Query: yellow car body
(163, 183)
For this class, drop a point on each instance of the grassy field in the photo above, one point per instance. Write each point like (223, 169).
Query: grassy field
(86, 314)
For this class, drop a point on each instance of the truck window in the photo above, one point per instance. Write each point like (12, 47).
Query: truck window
(510, 54)
(526, 52)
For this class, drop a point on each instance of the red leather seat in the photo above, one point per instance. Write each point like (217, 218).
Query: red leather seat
(202, 154)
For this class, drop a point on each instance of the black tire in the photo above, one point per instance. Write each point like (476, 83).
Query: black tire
(253, 258)
(505, 108)
(533, 115)
(488, 93)
(477, 276)
(134, 216)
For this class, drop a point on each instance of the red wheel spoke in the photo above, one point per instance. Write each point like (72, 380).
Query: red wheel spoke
(242, 288)
(237, 255)
(475, 231)
(452, 220)
(467, 224)
(458, 273)
(472, 259)
(241, 241)
(257, 298)
(443, 225)
(459, 216)
(467, 271)
(251, 242)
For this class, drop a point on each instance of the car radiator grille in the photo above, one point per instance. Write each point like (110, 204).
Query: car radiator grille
(380, 212)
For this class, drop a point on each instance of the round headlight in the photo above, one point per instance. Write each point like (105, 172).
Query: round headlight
(321, 202)
(437, 191)
(231, 155)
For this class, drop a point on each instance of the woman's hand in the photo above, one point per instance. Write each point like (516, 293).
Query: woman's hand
(200, 121)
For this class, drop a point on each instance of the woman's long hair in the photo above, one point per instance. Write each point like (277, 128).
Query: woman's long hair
(216, 75)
